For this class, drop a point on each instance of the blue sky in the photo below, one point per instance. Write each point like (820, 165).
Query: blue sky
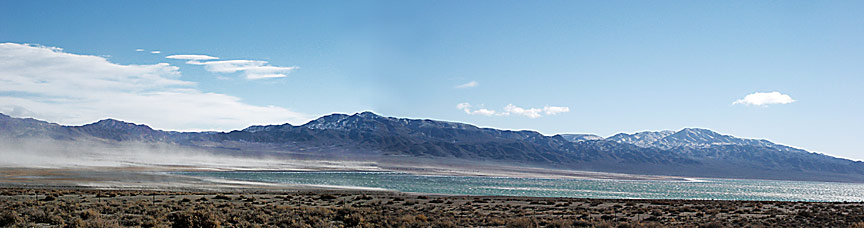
(616, 66)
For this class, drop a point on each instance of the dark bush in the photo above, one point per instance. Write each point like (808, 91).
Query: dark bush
(49, 198)
(149, 222)
(88, 214)
(131, 220)
(42, 216)
(712, 225)
(101, 223)
(328, 197)
(522, 223)
(194, 219)
(9, 218)
(222, 197)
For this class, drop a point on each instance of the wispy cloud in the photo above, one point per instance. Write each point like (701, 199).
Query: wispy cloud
(155, 52)
(47, 83)
(763, 99)
(251, 69)
(482, 111)
(514, 110)
(192, 57)
(139, 49)
(468, 85)
(552, 110)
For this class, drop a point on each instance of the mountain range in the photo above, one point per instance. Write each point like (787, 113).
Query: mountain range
(690, 152)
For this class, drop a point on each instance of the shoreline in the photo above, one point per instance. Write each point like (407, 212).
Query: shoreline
(186, 179)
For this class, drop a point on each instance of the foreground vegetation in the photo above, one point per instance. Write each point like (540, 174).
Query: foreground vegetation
(106, 208)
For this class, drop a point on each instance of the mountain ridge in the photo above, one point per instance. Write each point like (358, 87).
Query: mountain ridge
(368, 136)
(686, 137)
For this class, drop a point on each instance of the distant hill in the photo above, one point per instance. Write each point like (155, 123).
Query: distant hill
(367, 136)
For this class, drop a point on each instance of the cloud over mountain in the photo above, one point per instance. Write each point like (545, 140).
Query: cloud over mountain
(514, 110)
(48, 83)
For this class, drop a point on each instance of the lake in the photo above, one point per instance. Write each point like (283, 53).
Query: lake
(705, 189)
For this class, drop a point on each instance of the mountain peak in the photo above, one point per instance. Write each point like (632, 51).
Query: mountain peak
(698, 137)
(344, 122)
(116, 124)
(257, 128)
(580, 137)
(642, 139)
(367, 114)
(110, 121)
(698, 130)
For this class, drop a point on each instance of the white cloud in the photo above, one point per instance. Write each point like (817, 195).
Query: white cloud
(155, 52)
(529, 112)
(47, 83)
(467, 108)
(139, 49)
(192, 57)
(763, 99)
(468, 85)
(552, 110)
(513, 109)
(252, 69)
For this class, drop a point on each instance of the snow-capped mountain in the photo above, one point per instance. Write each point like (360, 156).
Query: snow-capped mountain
(580, 137)
(687, 137)
(642, 139)
(370, 137)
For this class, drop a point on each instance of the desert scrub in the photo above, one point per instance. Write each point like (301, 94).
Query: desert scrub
(522, 223)
(9, 218)
(100, 223)
(195, 219)
(159, 209)
(45, 216)
(222, 197)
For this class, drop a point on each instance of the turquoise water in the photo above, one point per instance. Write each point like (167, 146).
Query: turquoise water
(712, 189)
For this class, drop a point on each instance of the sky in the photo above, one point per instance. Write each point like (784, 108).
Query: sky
(787, 71)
